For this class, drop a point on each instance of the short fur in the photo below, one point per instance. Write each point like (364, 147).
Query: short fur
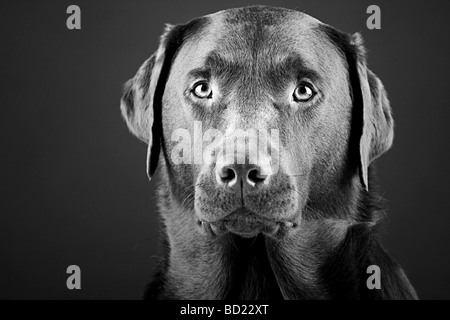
(326, 212)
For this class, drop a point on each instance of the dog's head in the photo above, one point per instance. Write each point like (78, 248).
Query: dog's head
(264, 116)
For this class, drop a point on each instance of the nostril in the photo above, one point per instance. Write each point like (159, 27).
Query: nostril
(235, 176)
(255, 177)
(228, 177)
(228, 174)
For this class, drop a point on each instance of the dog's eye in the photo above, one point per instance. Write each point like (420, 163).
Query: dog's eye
(303, 93)
(203, 91)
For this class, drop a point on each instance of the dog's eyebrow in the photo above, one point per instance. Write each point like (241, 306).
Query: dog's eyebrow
(214, 64)
(204, 73)
(293, 66)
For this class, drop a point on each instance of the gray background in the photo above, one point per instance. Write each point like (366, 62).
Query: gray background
(74, 189)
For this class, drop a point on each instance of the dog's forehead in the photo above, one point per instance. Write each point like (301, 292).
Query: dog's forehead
(252, 29)
(259, 37)
(263, 15)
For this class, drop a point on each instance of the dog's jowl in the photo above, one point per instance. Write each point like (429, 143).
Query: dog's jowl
(277, 119)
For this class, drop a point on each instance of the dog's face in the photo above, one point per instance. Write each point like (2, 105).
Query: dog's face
(264, 116)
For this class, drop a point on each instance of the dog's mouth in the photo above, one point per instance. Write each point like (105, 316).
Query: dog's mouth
(247, 224)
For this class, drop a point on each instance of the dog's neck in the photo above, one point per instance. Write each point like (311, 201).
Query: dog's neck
(324, 258)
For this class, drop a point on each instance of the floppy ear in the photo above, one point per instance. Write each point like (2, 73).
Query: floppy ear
(141, 100)
(141, 103)
(377, 124)
(372, 123)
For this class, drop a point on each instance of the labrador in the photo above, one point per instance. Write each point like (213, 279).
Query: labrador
(265, 123)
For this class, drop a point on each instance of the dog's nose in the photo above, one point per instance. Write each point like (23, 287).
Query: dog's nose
(241, 175)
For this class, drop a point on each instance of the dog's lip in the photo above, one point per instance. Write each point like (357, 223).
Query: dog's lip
(248, 224)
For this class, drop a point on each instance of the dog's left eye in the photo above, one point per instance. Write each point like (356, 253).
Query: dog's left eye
(303, 93)
(202, 91)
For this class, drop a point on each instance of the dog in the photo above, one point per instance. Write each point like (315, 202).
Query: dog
(296, 220)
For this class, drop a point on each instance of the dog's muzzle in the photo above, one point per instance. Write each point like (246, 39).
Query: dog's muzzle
(246, 199)
(247, 224)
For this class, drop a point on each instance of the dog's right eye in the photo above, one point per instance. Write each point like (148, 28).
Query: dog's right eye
(202, 90)
(303, 93)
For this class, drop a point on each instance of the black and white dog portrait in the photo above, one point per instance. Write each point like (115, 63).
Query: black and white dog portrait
(293, 216)
(224, 158)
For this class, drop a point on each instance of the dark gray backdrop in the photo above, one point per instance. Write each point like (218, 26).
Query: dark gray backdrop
(74, 189)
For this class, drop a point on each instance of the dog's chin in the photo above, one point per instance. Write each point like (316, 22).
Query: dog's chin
(248, 224)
